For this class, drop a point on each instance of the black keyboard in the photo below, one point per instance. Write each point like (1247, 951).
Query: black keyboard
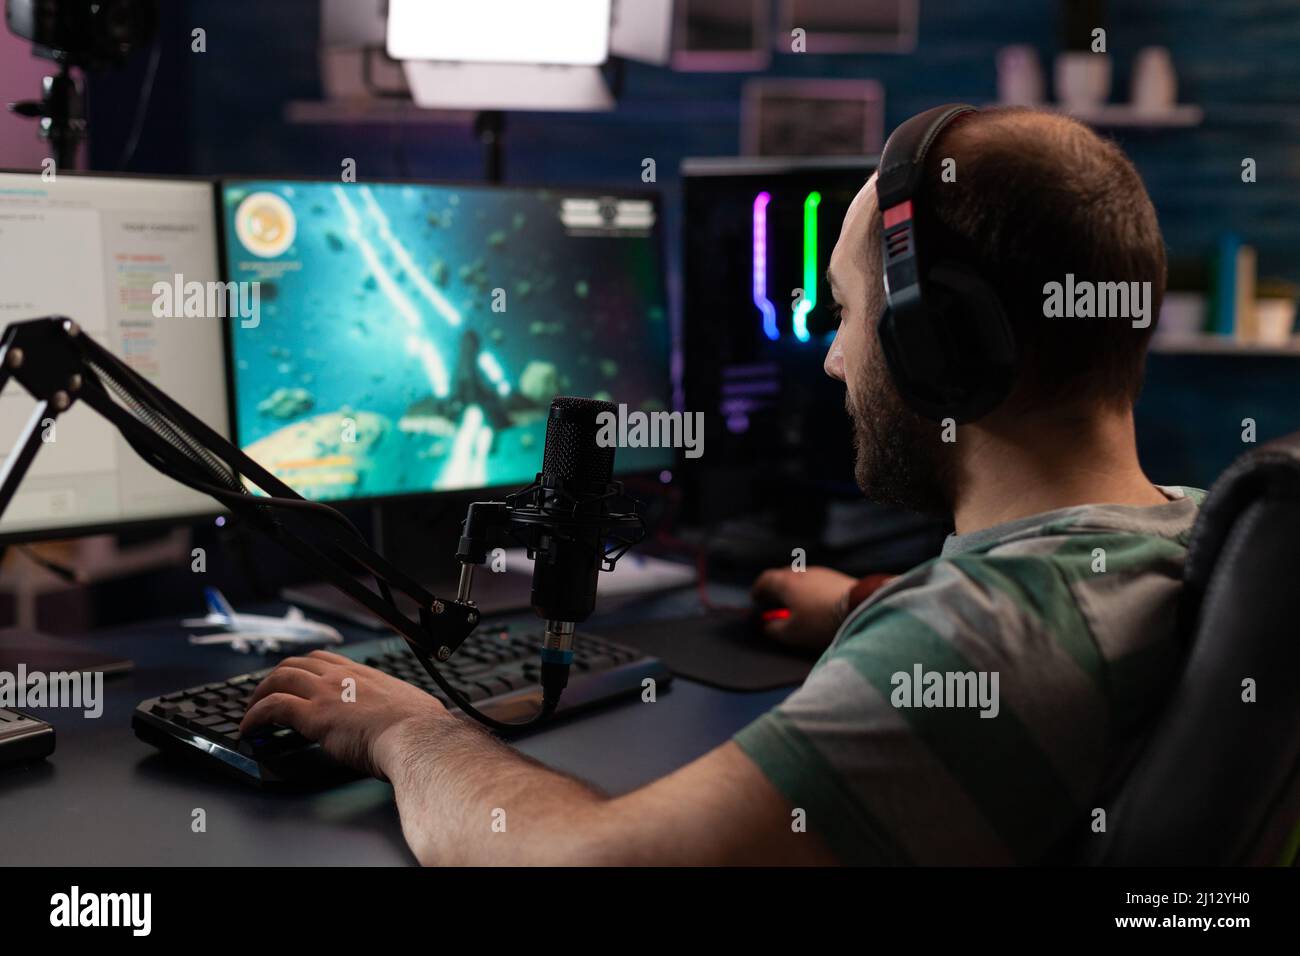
(23, 739)
(496, 669)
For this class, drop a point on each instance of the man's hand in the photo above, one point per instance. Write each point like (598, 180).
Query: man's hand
(466, 798)
(354, 711)
(817, 599)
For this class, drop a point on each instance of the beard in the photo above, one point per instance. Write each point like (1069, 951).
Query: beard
(899, 457)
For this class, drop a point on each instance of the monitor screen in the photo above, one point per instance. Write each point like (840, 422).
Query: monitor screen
(412, 336)
(93, 248)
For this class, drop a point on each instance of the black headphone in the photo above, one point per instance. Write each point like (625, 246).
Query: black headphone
(947, 343)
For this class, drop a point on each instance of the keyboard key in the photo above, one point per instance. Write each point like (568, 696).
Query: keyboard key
(493, 686)
(271, 740)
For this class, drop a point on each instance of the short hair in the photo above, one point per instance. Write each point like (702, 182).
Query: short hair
(1036, 196)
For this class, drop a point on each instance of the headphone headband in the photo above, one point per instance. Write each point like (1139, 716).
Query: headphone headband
(902, 165)
(945, 337)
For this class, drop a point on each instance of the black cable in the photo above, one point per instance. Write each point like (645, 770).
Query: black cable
(142, 105)
(501, 727)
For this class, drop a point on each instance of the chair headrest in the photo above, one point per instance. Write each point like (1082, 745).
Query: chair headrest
(1270, 471)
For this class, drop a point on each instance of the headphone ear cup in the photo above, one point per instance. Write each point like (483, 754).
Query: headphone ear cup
(912, 354)
(980, 341)
(909, 346)
(953, 355)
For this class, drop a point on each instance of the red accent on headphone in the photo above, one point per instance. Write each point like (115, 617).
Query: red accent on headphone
(896, 214)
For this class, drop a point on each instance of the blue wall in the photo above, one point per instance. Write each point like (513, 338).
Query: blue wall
(223, 111)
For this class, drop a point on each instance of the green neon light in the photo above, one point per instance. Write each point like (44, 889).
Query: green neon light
(809, 301)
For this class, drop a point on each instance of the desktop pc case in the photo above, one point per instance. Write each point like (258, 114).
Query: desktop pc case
(757, 320)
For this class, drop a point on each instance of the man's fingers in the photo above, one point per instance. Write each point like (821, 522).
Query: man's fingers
(769, 586)
(776, 628)
(309, 664)
(331, 658)
(278, 708)
(286, 680)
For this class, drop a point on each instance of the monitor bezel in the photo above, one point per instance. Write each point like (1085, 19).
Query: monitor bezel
(659, 237)
(129, 525)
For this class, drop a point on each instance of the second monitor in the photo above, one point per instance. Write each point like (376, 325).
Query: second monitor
(411, 337)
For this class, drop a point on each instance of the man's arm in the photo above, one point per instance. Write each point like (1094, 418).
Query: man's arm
(465, 798)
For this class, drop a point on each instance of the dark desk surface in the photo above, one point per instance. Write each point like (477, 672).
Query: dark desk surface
(106, 798)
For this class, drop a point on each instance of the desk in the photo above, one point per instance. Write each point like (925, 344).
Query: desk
(106, 798)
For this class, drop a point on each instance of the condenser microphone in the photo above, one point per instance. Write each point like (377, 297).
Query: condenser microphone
(574, 496)
(569, 521)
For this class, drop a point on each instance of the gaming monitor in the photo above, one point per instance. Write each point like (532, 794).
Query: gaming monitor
(412, 336)
(92, 248)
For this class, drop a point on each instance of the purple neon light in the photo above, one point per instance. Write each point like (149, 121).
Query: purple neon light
(760, 266)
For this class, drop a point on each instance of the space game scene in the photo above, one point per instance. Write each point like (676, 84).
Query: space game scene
(458, 313)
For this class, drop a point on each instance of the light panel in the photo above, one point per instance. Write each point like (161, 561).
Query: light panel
(571, 33)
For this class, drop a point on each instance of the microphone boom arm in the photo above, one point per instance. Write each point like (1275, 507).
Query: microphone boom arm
(59, 365)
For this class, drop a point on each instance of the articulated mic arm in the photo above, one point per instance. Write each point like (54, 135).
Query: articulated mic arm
(60, 365)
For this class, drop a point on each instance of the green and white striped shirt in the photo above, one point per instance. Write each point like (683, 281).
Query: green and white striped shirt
(1072, 610)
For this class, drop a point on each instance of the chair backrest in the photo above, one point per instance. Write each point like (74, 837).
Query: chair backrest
(1218, 781)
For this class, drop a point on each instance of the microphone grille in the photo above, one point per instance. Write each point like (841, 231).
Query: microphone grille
(571, 451)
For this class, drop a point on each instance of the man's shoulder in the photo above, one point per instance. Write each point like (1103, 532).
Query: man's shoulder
(971, 709)
(1094, 609)
(1045, 573)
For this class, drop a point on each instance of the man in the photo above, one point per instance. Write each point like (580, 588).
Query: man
(1053, 601)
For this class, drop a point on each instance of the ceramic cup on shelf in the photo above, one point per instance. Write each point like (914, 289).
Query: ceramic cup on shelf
(1155, 84)
(1020, 76)
(1082, 80)
(1182, 316)
(1274, 321)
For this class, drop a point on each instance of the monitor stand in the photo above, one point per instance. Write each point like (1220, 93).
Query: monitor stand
(403, 533)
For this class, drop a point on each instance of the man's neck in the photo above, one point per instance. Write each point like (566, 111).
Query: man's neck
(1009, 468)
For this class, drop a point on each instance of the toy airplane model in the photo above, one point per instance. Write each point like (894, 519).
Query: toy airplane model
(257, 632)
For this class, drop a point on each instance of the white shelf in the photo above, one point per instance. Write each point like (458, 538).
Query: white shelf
(1125, 115)
(1220, 345)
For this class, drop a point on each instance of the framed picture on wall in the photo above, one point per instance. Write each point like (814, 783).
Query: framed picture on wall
(812, 117)
(849, 26)
(721, 35)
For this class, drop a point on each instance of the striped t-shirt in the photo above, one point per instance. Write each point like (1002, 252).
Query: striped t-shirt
(979, 708)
